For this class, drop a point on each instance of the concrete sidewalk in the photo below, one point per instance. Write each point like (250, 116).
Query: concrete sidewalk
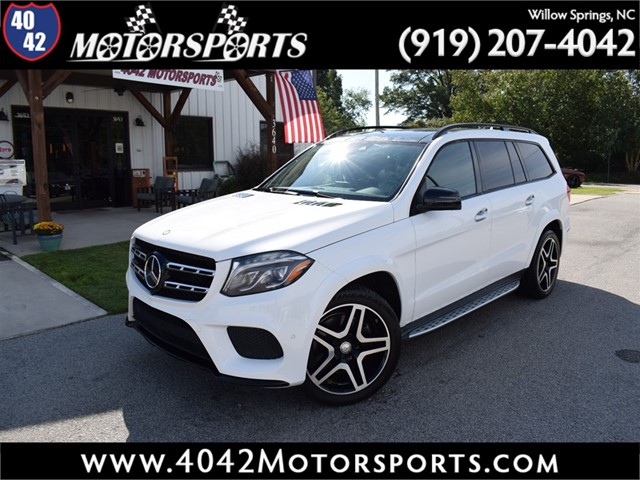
(85, 228)
(30, 301)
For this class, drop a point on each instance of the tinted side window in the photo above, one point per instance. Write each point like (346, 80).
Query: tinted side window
(535, 161)
(452, 168)
(495, 165)
(518, 171)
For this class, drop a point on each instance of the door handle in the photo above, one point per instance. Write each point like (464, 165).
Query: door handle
(529, 201)
(481, 215)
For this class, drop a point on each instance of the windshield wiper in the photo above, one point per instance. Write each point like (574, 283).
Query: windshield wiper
(294, 191)
(283, 190)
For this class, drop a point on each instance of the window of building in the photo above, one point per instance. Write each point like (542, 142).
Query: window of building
(193, 143)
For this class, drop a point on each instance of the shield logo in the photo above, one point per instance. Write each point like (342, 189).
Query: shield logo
(31, 31)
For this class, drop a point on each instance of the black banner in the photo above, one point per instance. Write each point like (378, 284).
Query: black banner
(321, 461)
(353, 35)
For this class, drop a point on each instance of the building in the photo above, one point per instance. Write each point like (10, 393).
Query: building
(100, 131)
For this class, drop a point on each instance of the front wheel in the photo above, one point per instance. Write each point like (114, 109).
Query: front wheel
(355, 348)
(540, 278)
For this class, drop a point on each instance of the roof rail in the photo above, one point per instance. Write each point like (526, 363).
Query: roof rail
(491, 126)
(374, 127)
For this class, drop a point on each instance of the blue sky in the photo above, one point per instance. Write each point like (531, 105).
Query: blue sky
(352, 79)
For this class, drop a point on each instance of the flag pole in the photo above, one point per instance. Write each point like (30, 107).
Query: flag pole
(377, 98)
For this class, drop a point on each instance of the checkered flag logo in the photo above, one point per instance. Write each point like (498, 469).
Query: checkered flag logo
(229, 16)
(144, 16)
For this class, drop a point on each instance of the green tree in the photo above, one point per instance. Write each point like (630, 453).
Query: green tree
(340, 108)
(423, 96)
(623, 99)
(587, 114)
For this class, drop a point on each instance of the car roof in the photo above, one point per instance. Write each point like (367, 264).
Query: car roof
(418, 134)
(387, 134)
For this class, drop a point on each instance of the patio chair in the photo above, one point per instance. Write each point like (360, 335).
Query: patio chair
(156, 194)
(17, 215)
(208, 189)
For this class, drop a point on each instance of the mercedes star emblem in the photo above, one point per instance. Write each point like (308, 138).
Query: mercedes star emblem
(153, 271)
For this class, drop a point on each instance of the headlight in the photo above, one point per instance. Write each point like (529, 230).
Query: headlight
(264, 272)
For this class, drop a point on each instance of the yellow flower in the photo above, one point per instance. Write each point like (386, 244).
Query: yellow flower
(48, 228)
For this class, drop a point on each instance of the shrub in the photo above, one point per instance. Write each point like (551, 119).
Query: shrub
(251, 169)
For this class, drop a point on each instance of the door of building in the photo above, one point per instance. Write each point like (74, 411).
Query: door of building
(87, 156)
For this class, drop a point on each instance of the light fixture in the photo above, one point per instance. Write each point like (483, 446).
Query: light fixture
(3, 116)
(139, 122)
(69, 97)
(119, 89)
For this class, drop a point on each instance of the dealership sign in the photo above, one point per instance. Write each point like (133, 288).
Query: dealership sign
(227, 42)
(202, 79)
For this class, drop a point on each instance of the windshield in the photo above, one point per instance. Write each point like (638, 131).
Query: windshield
(362, 170)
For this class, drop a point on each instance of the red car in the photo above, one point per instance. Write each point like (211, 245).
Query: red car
(573, 177)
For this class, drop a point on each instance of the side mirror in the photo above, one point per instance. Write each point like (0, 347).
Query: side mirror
(438, 198)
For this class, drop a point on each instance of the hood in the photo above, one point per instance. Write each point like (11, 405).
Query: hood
(252, 222)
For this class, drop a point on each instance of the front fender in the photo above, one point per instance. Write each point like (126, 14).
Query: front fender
(390, 250)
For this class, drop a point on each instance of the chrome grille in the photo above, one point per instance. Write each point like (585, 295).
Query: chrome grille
(184, 276)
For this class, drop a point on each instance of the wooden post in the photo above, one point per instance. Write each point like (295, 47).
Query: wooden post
(168, 129)
(271, 123)
(266, 107)
(38, 142)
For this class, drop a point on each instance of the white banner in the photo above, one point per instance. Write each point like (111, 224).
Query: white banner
(202, 79)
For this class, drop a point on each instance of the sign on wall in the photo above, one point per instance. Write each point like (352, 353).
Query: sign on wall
(6, 149)
(202, 79)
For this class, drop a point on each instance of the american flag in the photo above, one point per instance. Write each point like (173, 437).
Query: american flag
(299, 103)
(144, 16)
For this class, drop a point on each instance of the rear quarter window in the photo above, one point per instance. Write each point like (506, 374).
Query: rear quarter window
(536, 163)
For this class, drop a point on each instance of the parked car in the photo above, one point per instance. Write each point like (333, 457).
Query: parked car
(574, 177)
(372, 236)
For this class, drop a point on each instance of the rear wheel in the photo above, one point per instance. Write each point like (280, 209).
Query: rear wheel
(574, 181)
(540, 278)
(355, 348)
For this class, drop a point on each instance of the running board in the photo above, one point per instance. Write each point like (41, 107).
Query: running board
(438, 319)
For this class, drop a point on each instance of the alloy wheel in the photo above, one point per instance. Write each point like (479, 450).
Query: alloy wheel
(547, 267)
(355, 348)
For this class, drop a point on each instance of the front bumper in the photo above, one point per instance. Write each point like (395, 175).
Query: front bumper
(260, 339)
(177, 338)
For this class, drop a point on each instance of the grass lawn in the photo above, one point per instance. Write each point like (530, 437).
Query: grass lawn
(96, 273)
(595, 190)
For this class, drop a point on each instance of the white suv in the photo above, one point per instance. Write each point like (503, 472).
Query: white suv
(373, 236)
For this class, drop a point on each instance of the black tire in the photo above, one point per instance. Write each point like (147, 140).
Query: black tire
(355, 348)
(574, 181)
(540, 278)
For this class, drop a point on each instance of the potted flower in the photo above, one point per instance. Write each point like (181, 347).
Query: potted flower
(49, 235)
